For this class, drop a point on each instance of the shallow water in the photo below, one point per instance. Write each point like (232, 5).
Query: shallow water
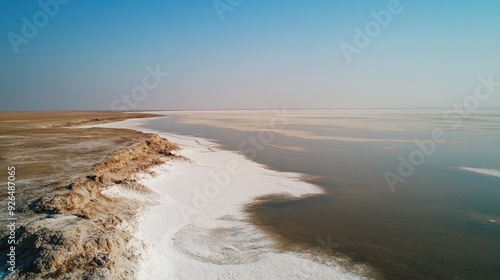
(440, 223)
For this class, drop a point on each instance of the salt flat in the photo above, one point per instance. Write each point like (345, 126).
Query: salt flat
(199, 229)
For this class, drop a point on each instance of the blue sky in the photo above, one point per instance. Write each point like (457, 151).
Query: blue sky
(263, 54)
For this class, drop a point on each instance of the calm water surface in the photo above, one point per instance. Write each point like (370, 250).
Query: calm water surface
(441, 223)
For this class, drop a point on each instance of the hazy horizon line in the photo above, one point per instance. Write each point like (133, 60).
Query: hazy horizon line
(241, 109)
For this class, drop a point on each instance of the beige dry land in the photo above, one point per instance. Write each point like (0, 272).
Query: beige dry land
(66, 227)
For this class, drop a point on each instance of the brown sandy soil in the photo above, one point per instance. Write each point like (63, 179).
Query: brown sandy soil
(67, 229)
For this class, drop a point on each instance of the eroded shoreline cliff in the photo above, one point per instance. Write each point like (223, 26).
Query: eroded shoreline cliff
(74, 230)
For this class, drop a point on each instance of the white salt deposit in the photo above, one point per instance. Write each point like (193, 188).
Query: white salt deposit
(489, 172)
(199, 229)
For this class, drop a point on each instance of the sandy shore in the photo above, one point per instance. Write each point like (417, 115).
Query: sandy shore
(199, 229)
(68, 223)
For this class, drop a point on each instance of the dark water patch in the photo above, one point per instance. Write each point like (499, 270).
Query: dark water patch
(400, 239)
